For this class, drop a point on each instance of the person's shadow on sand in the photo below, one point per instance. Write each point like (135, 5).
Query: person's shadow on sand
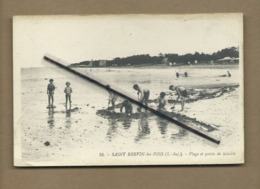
(162, 125)
(51, 120)
(112, 130)
(143, 128)
(68, 120)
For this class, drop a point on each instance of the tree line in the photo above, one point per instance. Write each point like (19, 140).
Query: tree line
(146, 59)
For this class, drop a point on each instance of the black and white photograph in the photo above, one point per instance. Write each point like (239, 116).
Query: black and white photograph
(131, 89)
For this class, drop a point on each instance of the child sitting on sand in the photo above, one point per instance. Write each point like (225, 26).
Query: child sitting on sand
(50, 93)
(161, 100)
(68, 91)
(226, 75)
(144, 95)
(127, 106)
(182, 94)
(112, 98)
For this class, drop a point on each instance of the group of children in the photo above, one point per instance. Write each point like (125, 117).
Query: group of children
(50, 92)
(143, 97)
(142, 93)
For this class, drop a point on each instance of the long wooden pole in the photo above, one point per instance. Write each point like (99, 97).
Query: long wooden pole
(158, 113)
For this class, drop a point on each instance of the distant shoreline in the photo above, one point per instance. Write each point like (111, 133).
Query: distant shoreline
(234, 66)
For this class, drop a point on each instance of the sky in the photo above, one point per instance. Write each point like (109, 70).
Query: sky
(79, 38)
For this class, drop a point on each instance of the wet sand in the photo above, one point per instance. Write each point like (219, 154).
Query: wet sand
(59, 137)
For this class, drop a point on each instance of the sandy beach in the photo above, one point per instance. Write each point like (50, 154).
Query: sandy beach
(77, 138)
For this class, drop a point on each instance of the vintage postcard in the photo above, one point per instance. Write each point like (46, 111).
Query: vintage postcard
(109, 90)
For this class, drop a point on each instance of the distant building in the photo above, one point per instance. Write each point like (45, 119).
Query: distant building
(102, 63)
(225, 60)
(165, 61)
(235, 60)
(228, 60)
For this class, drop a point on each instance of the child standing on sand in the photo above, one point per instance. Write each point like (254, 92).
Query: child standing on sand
(50, 93)
(68, 91)
(182, 94)
(144, 95)
(112, 98)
